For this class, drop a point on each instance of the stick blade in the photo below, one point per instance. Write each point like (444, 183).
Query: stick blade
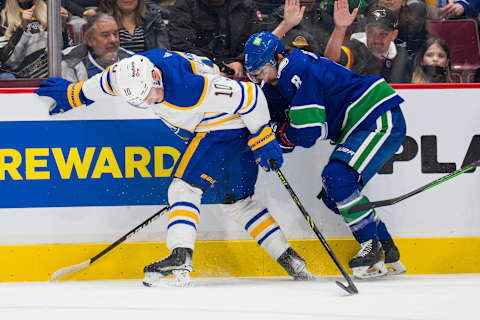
(70, 269)
(351, 289)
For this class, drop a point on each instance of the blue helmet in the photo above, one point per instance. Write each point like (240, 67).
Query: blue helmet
(260, 50)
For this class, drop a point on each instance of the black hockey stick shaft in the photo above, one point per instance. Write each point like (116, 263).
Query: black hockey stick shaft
(129, 234)
(77, 267)
(351, 288)
(388, 202)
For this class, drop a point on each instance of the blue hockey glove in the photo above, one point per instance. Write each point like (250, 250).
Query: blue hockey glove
(265, 147)
(66, 94)
(279, 130)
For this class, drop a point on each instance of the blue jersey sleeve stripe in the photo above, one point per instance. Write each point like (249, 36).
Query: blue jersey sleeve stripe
(101, 85)
(249, 223)
(255, 103)
(243, 97)
(182, 222)
(108, 83)
(267, 235)
(211, 118)
(185, 204)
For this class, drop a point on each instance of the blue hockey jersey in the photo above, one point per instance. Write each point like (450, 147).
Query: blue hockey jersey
(325, 100)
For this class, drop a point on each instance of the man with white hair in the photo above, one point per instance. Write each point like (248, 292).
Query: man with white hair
(224, 117)
(100, 49)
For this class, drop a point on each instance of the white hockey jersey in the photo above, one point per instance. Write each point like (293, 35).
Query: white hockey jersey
(197, 98)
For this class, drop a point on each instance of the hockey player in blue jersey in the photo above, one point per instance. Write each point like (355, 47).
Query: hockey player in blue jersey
(226, 125)
(314, 98)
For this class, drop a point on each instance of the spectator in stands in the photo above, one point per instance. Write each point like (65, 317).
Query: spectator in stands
(24, 24)
(313, 31)
(411, 15)
(141, 28)
(81, 8)
(266, 7)
(432, 63)
(162, 7)
(460, 9)
(372, 51)
(80, 11)
(217, 29)
(100, 50)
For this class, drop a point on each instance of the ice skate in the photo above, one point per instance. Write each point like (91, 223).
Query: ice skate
(294, 265)
(178, 263)
(392, 258)
(368, 263)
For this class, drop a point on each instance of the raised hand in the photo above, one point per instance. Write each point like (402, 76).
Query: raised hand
(293, 13)
(341, 14)
(451, 10)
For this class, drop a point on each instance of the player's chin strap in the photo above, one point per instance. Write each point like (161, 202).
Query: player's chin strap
(77, 267)
(351, 288)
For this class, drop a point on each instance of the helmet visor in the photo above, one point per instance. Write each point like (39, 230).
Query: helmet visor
(259, 75)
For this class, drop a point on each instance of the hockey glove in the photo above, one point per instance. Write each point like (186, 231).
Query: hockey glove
(66, 94)
(265, 147)
(279, 130)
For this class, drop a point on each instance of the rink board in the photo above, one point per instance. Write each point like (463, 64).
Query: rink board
(54, 214)
(228, 258)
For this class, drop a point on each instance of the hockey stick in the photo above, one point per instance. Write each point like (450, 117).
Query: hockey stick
(77, 267)
(351, 288)
(388, 202)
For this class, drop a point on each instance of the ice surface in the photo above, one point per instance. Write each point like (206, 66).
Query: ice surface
(395, 298)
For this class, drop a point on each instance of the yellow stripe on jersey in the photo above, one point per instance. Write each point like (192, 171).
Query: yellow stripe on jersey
(70, 95)
(211, 124)
(76, 93)
(105, 81)
(199, 102)
(192, 146)
(184, 213)
(261, 139)
(349, 55)
(262, 226)
(249, 95)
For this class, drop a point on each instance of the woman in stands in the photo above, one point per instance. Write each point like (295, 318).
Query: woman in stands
(23, 27)
(141, 27)
(432, 63)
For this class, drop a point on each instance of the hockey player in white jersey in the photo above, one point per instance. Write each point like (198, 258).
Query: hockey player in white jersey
(221, 118)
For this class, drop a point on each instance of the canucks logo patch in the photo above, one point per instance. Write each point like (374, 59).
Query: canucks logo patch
(257, 41)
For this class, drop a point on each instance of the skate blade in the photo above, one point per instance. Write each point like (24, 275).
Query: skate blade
(151, 278)
(305, 275)
(378, 270)
(396, 268)
(182, 278)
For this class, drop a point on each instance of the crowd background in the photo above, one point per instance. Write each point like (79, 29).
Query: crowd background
(405, 41)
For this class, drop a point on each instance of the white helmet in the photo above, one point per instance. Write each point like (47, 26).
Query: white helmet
(133, 80)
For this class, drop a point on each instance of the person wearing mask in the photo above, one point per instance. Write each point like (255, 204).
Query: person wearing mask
(432, 63)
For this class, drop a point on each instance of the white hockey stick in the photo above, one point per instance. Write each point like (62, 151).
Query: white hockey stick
(77, 267)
